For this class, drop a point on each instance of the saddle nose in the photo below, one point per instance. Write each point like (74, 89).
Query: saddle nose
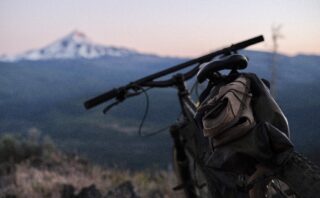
(231, 62)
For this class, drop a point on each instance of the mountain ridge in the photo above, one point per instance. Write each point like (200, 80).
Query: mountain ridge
(74, 45)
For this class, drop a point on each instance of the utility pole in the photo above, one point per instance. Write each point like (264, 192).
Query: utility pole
(275, 36)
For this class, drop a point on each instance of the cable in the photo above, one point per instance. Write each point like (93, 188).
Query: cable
(156, 132)
(194, 89)
(145, 116)
(146, 111)
(144, 91)
(197, 90)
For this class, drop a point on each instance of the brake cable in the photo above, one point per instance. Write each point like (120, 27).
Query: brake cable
(146, 111)
(194, 89)
(145, 116)
(187, 76)
(138, 90)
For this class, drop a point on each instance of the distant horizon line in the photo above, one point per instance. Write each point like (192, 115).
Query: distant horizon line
(81, 33)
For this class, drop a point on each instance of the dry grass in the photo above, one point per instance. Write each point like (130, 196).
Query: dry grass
(45, 175)
(33, 167)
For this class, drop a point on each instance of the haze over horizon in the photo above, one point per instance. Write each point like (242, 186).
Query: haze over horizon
(185, 28)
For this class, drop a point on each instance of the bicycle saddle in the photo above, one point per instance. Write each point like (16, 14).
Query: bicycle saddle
(232, 62)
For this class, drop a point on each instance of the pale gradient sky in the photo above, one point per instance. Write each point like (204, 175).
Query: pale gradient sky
(176, 27)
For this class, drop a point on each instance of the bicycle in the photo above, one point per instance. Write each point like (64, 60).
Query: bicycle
(194, 154)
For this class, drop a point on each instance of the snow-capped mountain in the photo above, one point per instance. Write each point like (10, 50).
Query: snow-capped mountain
(74, 45)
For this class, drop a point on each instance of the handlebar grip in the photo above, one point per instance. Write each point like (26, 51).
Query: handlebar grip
(247, 43)
(101, 98)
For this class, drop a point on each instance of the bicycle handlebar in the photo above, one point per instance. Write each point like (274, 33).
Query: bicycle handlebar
(148, 80)
(247, 43)
(117, 91)
(101, 98)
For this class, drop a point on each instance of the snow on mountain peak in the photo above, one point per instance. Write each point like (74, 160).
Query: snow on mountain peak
(78, 34)
(77, 37)
(75, 45)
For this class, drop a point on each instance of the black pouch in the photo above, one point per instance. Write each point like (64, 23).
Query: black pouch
(266, 143)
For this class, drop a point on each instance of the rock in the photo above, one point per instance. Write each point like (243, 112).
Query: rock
(7, 168)
(36, 162)
(67, 191)
(156, 194)
(89, 192)
(124, 190)
(10, 196)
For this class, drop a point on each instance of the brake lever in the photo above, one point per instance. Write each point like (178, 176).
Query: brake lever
(106, 109)
(121, 97)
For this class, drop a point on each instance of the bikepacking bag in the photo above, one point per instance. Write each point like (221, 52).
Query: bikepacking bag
(244, 125)
(227, 113)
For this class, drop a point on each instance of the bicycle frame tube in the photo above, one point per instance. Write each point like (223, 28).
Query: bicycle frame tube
(187, 105)
(190, 145)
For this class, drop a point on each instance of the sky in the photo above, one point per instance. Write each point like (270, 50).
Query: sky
(164, 27)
